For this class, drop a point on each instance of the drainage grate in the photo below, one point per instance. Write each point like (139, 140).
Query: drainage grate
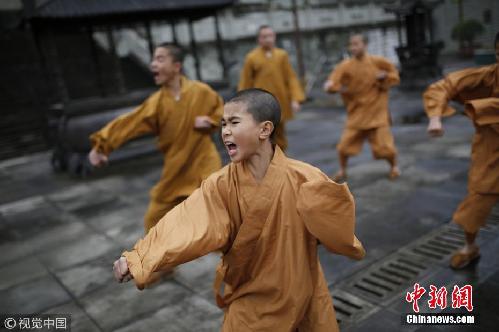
(350, 308)
(438, 245)
(383, 280)
(369, 289)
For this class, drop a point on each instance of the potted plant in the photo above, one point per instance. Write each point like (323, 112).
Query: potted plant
(466, 31)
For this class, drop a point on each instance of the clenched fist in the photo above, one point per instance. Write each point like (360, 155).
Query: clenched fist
(121, 271)
(97, 159)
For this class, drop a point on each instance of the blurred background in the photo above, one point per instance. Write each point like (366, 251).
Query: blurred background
(79, 57)
(67, 67)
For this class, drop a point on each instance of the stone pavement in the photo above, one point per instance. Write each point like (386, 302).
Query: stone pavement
(60, 235)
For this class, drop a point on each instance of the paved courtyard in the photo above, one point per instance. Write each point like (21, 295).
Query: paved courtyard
(59, 235)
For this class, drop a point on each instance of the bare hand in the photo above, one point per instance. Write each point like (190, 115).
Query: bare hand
(295, 106)
(97, 159)
(327, 85)
(435, 128)
(381, 75)
(202, 122)
(121, 271)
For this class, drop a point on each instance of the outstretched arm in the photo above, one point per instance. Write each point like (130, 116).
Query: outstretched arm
(328, 210)
(143, 120)
(194, 228)
(457, 86)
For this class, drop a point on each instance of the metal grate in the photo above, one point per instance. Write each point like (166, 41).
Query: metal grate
(383, 280)
(350, 308)
(438, 245)
(369, 289)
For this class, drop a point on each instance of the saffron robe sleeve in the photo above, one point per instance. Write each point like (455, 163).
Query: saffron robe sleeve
(143, 120)
(484, 112)
(194, 228)
(328, 211)
(217, 111)
(364, 95)
(336, 77)
(392, 75)
(478, 89)
(294, 84)
(460, 86)
(246, 78)
(484, 171)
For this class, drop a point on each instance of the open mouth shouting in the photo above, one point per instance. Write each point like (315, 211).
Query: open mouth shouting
(155, 75)
(231, 148)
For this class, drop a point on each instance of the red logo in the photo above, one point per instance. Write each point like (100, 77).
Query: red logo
(461, 297)
(415, 296)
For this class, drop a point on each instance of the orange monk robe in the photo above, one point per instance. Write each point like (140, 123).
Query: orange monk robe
(366, 101)
(268, 233)
(478, 89)
(275, 75)
(190, 154)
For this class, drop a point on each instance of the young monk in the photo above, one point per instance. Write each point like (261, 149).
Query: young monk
(478, 90)
(266, 213)
(267, 67)
(363, 82)
(182, 114)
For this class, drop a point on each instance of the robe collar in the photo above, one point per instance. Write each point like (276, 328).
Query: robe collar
(264, 52)
(245, 176)
(185, 85)
(261, 198)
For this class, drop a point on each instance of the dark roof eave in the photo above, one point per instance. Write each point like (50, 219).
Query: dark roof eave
(407, 6)
(117, 19)
(192, 9)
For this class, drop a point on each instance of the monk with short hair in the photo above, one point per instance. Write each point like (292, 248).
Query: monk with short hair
(364, 81)
(478, 90)
(182, 114)
(267, 214)
(267, 67)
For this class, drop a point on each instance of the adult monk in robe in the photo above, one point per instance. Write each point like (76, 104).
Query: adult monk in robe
(478, 90)
(363, 81)
(181, 114)
(267, 67)
(267, 214)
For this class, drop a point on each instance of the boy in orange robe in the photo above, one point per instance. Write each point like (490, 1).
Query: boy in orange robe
(267, 214)
(182, 114)
(267, 67)
(363, 82)
(478, 90)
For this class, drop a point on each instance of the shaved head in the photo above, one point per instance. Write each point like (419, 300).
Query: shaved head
(362, 36)
(357, 45)
(266, 37)
(261, 104)
(174, 50)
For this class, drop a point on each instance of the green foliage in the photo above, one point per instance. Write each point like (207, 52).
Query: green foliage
(467, 30)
